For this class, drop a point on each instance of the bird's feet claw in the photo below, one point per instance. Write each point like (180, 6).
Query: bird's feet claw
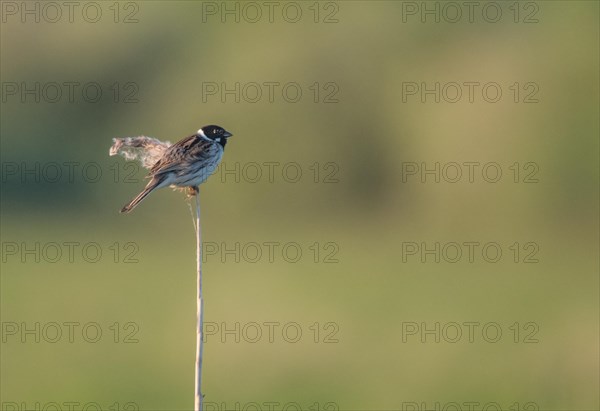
(192, 191)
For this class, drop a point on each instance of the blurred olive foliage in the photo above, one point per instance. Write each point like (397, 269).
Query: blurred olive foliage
(355, 134)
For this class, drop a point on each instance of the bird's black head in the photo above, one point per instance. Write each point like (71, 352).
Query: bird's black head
(214, 133)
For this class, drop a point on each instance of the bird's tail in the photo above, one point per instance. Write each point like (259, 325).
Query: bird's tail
(152, 185)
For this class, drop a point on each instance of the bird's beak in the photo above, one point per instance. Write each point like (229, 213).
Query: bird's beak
(227, 134)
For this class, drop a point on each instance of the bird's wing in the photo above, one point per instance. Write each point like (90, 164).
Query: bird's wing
(181, 154)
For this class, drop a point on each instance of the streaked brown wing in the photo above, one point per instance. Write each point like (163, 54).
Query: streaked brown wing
(181, 154)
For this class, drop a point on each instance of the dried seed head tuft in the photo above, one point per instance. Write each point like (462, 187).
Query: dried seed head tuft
(146, 150)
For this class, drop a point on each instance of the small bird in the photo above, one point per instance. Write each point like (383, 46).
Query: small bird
(187, 163)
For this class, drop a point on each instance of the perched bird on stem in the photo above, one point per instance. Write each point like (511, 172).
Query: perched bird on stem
(185, 164)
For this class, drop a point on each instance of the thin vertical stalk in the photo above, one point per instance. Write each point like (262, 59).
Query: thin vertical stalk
(200, 311)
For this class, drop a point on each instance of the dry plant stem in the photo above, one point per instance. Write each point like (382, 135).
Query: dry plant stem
(200, 311)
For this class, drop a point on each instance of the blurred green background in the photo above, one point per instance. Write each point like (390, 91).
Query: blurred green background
(361, 209)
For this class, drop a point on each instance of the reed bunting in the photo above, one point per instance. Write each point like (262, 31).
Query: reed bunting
(185, 164)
